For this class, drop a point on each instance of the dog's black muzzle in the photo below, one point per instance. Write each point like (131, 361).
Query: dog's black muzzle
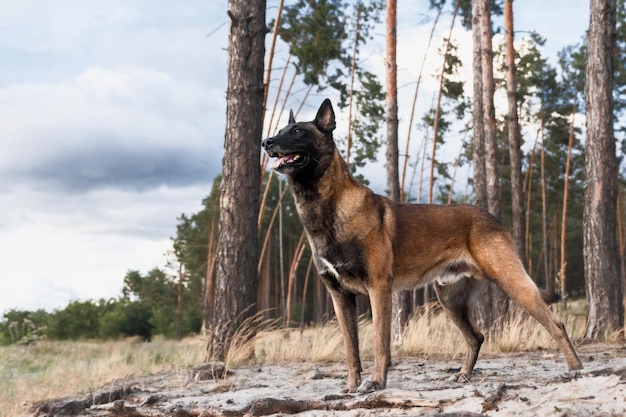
(268, 144)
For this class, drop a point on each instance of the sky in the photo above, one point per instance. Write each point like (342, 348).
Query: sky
(112, 120)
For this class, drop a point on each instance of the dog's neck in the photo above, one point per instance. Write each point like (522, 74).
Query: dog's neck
(317, 199)
(331, 183)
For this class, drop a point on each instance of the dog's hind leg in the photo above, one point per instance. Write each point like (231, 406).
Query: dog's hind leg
(344, 304)
(526, 294)
(454, 299)
(505, 269)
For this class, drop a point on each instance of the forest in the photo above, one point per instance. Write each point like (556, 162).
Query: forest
(319, 49)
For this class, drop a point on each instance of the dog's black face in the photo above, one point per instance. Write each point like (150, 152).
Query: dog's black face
(304, 149)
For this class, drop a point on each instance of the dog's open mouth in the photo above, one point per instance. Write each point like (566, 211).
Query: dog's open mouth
(286, 159)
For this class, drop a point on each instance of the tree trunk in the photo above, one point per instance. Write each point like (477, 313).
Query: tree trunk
(236, 269)
(517, 198)
(493, 302)
(478, 141)
(602, 282)
(400, 299)
(393, 184)
(489, 113)
(179, 303)
(562, 267)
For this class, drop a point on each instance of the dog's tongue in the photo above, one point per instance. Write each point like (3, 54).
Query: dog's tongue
(283, 159)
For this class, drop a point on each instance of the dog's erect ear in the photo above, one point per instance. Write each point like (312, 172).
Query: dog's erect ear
(291, 118)
(325, 119)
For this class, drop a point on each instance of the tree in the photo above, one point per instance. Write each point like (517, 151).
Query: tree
(478, 137)
(493, 302)
(602, 281)
(236, 265)
(489, 113)
(400, 299)
(515, 153)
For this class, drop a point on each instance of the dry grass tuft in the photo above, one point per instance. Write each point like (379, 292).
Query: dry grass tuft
(241, 349)
(317, 344)
(50, 369)
(429, 333)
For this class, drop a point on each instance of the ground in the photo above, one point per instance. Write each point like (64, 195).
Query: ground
(519, 384)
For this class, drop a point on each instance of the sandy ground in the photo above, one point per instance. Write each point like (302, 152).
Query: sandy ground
(520, 384)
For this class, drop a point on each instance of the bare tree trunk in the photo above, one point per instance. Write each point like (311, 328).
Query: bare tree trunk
(209, 287)
(620, 241)
(478, 141)
(293, 269)
(528, 181)
(400, 299)
(602, 282)
(562, 269)
(236, 272)
(515, 153)
(489, 114)
(179, 303)
(352, 78)
(549, 280)
(393, 184)
(494, 303)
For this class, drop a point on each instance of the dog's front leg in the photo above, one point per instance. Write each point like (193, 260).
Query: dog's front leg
(345, 309)
(380, 301)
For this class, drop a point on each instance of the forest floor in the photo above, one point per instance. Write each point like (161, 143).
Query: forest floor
(517, 384)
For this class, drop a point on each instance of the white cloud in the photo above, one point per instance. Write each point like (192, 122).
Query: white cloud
(55, 248)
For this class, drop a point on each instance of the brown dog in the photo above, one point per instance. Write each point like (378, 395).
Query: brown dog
(366, 243)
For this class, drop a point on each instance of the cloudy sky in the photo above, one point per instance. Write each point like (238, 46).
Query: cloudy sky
(112, 122)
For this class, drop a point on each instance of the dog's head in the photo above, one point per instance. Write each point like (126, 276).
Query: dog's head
(304, 149)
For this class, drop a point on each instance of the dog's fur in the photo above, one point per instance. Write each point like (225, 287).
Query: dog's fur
(366, 243)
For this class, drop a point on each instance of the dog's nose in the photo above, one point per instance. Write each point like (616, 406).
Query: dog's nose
(267, 143)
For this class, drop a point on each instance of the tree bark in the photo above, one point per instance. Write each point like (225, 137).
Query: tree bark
(489, 113)
(478, 141)
(602, 281)
(515, 154)
(393, 181)
(493, 302)
(236, 269)
(400, 299)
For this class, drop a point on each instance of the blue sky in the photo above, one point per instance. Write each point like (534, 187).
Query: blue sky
(112, 122)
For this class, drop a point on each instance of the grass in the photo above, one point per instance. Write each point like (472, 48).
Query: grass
(50, 369)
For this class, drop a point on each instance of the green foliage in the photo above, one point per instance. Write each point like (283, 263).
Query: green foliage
(126, 318)
(325, 37)
(78, 320)
(22, 327)
(315, 32)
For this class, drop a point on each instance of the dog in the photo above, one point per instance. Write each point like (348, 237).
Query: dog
(364, 243)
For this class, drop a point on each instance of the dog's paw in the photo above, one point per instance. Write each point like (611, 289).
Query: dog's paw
(370, 386)
(350, 389)
(461, 377)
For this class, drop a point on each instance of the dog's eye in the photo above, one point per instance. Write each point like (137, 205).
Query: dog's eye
(297, 129)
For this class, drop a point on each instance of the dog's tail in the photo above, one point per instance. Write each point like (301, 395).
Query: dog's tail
(550, 297)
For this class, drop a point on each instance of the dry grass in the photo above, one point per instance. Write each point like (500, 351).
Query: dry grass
(435, 334)
(51, 369)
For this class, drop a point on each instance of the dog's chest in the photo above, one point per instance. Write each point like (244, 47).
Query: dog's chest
(340, 257)
(341, 263)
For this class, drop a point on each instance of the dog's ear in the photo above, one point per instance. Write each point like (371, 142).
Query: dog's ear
(325, 119)
(291, 118)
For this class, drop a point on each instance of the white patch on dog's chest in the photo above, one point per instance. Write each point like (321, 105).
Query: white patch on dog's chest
(328, 267)
(448, 278)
